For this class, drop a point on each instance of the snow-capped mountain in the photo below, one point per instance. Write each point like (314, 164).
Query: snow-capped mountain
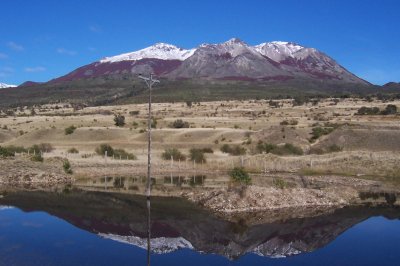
(232, 60)
(162, 51)
(160, 245)
(3, 85)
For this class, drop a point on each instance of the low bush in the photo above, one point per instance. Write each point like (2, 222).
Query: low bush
(317, 132)
(286, 149)
(179, 123)
(239, 174)
(173, 153)
(67, 167)
(42, 147)
(4, 152)
(118, 153)
(280, 183)
(73, 150)
(37, 158)
(69, 130)
(119, 120)
(233, 150)
(197, 155)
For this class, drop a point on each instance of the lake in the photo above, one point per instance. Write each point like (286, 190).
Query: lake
(75, 227)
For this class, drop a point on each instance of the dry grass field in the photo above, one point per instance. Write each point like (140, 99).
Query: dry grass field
(326, 137)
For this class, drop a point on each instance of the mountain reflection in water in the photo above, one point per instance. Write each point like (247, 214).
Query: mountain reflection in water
(177, 224)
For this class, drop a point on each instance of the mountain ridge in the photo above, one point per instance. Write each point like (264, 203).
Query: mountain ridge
(233, 59)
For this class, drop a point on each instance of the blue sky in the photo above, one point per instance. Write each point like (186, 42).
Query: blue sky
(41, 40)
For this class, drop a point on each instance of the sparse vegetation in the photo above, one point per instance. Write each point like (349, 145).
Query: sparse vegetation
(280, 183)
(197, 155)
(173, 153)
(104, 149)
(119, 120)
(69, 130)
(37, 158)
(67, 167)
(233, 150)
(239, 174)
(317, 132)
(286, 149)
(179, 123)
(73, 150)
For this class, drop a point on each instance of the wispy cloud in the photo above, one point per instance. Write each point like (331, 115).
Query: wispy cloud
(95, 28)
(66, 51)
(35, 69)
(14, 46)
(3, 56)
(92, 49)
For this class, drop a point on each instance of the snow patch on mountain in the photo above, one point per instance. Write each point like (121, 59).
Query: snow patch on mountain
(278, 50)
(160, 245)
(162, 51)
(3, 85)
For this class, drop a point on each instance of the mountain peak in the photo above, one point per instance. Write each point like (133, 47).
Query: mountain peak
(160, 50)
(235, 41)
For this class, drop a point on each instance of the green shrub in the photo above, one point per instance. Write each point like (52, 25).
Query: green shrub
(280, 183)
(69, 130)
(4, 152)
(317, 132)
(121, 153)
(73, 150)
(42, 147)
(179, 123)
(197, 155)
(286, 149)
(390, 109)
(368, 111)
(239, 174)
(233, 150)
(103, 148)
(37, 158)
(15, 149)
(174, 153)
(67, 167)
(207, 150)
(119, 120)
(334, 148)
(265, 147)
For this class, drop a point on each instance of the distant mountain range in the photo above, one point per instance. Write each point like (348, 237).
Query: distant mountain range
(231, 60)
(229, 70)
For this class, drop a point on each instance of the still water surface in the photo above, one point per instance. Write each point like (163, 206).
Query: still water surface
(95, 228)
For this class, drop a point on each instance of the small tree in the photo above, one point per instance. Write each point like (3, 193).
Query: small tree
(119, 120)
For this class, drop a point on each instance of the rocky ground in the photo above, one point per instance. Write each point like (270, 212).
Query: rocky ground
(24, 172)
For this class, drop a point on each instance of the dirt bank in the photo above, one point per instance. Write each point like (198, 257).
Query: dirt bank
(24, 172)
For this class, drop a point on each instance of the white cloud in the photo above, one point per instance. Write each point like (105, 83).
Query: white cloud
(65, 51)
(3, 56)
(14, 46)
(35, 69)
